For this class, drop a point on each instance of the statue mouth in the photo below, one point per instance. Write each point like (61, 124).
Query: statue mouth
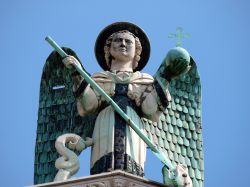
(123, 49)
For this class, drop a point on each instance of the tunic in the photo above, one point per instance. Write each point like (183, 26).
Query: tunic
(116, 145)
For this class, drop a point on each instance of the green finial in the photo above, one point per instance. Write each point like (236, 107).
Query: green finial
(179, 36)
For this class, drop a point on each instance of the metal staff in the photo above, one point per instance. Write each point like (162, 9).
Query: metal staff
(140, 133)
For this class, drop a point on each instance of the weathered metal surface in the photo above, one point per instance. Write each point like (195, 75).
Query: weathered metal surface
(162, 157)
(180, 127)
(57, 115)
(178, 133)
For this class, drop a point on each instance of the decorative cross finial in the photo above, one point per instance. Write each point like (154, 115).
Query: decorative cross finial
(179, 36)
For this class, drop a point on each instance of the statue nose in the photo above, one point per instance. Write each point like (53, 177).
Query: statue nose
(123, 43)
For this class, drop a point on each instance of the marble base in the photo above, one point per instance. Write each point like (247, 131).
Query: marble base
(110, 179)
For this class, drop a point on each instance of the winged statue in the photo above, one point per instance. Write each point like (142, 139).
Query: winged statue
(166, 109)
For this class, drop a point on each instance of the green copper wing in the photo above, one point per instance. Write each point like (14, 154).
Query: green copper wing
(57, 115)
(179, 132)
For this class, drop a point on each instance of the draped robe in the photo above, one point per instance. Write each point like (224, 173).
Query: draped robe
(116, 145)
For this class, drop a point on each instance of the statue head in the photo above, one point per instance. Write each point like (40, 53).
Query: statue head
(112, 35)
(124, 46)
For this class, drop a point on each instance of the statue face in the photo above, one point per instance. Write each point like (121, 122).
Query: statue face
(123, 47)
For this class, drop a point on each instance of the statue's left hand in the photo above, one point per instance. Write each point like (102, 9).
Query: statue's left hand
(177, 67)
(177, 63)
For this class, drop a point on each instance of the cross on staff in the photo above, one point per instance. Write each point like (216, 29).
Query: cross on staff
(179, 36)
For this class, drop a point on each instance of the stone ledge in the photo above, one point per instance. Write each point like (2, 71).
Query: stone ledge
(110, 179)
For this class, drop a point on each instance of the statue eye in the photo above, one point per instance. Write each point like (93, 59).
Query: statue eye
(118, 40)
(128, 42)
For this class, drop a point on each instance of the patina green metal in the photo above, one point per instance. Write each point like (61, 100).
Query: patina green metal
(178, 133)
(57, 115)
(179, 35)
(141, 134)
(181, 125)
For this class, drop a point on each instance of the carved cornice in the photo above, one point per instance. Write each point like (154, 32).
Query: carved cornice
(110, 179)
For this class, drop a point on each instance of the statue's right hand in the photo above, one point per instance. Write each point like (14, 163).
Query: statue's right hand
(70, 62)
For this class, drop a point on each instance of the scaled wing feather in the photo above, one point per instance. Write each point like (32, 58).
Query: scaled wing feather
(57, 115)
(179, 132)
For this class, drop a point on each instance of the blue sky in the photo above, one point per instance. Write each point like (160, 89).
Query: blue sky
(219, 44)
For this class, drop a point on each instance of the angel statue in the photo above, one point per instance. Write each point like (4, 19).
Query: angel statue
(165, 107)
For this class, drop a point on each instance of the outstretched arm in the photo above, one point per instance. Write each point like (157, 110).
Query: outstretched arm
(174, 65)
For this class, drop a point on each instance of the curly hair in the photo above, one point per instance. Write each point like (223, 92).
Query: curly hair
(138, 49)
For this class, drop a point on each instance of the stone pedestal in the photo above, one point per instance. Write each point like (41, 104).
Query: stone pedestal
(110, 179)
